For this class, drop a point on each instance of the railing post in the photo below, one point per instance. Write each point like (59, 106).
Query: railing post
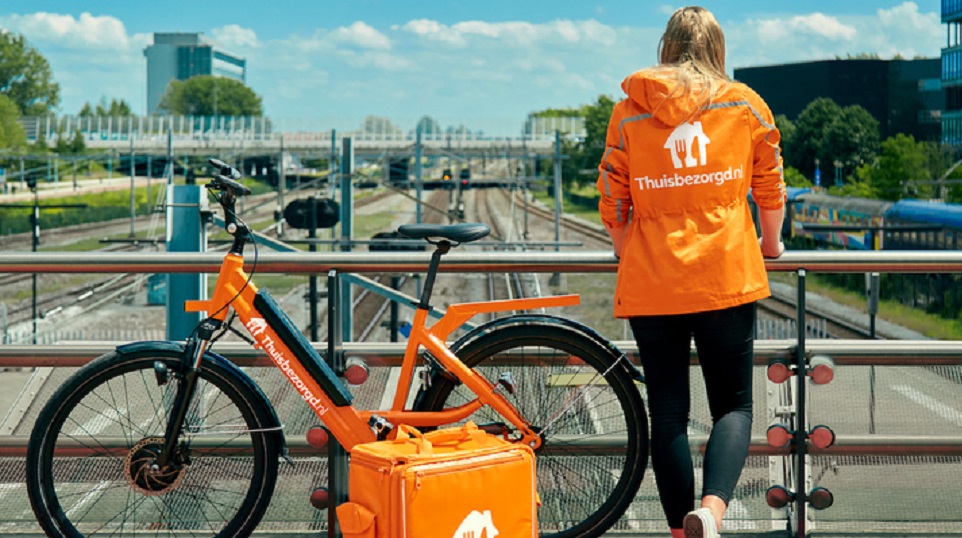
(337, 463)
(347, 232)
(800, 402)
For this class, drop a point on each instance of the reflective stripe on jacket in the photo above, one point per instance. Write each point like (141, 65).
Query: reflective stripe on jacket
(682, 171)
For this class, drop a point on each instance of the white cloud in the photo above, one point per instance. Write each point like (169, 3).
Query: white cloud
(86, 31)
(512, 32)
(432, 30)
(901, 30)
(815, 24)
(471, 67)
(907, 16)
(235, 36)
(361, 34)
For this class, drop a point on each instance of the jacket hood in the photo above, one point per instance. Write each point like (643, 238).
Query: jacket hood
(651, 90)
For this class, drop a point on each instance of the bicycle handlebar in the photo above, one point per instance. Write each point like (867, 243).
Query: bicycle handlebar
(225, 178)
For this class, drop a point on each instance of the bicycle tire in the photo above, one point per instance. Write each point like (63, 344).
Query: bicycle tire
(88, 456)
(568, 485)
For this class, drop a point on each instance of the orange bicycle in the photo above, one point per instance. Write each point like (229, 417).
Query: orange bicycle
(170, 438)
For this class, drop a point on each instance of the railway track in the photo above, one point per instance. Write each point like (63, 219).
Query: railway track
(832, 326)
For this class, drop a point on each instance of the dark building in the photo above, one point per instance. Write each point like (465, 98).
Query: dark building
(905, 96)
(952, 72)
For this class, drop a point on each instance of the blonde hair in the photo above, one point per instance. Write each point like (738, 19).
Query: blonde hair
(692, 52)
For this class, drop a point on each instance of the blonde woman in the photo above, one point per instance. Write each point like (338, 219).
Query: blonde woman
(683, 149)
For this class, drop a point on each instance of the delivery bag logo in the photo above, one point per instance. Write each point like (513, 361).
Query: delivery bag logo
(477, 525)
(687, 140)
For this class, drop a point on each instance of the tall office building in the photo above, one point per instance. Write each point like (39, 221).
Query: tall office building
(179, 56)
(952, 72)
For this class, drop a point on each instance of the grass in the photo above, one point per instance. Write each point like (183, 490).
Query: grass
(930, 325)
(586, 211)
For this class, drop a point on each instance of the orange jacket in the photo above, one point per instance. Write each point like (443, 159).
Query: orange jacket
(683, 175)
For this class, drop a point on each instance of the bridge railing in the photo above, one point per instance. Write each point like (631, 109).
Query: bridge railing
(118, 131)
(933, 447)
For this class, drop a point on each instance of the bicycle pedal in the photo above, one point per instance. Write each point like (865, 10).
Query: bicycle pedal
(507, 381)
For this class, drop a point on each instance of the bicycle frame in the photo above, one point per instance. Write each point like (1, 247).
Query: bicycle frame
(323, 391)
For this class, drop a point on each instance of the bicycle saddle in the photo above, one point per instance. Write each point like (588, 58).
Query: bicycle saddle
(460, 233)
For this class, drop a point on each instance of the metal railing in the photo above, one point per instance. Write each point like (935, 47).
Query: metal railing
(796, 354)
(122, 132)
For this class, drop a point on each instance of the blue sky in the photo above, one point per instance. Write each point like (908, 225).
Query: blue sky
(448, 59)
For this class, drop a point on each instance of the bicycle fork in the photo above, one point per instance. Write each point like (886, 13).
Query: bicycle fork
(190, 369)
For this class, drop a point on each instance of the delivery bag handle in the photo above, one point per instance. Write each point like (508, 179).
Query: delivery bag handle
(410, 434)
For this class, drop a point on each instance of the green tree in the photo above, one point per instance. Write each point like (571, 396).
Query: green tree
(116, 107)
(828, 134)
(794, 178)
(207, 95)
(77, 144)
(786, 128)
(580, 158)
(25, 76)
(11, 133)
(900, 161)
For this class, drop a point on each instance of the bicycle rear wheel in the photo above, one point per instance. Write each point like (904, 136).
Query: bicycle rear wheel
(595, 430)
(90, 456)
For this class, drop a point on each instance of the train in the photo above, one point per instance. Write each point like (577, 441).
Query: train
(823, 221)
(816, 220)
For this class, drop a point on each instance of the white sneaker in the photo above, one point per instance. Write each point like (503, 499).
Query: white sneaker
(700, 524)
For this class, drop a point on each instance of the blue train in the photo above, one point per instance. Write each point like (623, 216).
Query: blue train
(865, 224)
(817, 220)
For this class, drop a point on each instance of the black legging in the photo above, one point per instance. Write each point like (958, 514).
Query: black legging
(724, 340)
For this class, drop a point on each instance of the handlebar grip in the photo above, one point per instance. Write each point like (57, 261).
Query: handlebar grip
(225, 169)
(236, 188)
(226, 176)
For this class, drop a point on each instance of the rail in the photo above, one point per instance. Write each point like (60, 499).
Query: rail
(843, 352)
(796, 354)
(152, 132)
(457, 262)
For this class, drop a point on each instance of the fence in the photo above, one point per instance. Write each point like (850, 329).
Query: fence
(894, 407)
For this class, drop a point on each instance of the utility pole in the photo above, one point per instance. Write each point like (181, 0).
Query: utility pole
(35, 227)
(133, 205)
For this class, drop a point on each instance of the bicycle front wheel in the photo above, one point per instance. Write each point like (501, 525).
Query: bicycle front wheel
(90, 462)
(588, 409)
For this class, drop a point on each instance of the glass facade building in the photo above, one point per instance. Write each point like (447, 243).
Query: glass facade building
(179, 56)
(952, 72)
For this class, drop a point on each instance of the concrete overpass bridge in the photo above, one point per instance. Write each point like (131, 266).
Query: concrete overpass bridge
(371, 136)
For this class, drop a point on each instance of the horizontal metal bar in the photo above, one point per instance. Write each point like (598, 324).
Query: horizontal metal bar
(459, 262)
(583, 445)
(379, 354)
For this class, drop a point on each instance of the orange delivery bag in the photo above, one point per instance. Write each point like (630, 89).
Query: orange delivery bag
(458, 482)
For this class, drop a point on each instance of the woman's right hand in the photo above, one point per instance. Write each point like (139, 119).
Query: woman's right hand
(772, 249)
